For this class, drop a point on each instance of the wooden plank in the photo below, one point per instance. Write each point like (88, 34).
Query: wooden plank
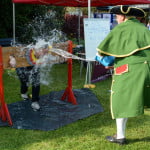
(20, 55)
(17, 53)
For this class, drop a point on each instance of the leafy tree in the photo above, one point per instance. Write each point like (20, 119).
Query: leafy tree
(6, 21)
(25, 16)
(37, 21)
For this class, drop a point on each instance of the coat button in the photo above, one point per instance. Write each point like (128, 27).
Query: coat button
(112, 92)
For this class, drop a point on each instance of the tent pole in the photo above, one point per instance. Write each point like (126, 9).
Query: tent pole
(89, 64)
(79, 11)
(89, 8)
(14, 39)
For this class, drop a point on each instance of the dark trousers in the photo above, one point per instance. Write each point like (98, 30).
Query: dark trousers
(29, 75)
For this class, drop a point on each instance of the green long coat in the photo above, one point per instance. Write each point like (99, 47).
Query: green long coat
(129, 42)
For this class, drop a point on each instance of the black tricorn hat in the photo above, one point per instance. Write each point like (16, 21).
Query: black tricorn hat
(128, 11)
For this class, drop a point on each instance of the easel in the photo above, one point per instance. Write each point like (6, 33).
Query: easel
(68, 91)
(4, 112)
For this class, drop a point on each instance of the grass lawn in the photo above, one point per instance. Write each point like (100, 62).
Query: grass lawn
(85, 134)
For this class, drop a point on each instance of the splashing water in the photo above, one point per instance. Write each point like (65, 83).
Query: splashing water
(47, 60)
(44, 33)
(44, 63)
(44, 38)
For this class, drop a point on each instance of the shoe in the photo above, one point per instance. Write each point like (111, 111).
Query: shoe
(35, 106)
(113, 139)
(24, 96)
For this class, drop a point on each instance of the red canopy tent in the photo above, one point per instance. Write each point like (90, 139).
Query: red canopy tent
(83, 3)
(80, 3)
(77, 3)
(4, 113)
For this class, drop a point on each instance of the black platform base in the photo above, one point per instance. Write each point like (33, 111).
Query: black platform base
(54, 113)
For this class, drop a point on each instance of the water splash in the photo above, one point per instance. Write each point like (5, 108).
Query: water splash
(44, 32)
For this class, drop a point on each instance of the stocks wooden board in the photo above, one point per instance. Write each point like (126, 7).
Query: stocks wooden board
(20, 55)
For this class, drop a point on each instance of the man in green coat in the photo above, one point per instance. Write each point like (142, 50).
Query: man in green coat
(129, 43)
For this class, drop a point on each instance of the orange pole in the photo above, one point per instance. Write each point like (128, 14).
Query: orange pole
(70, 66)
(68, 92)
(4, 112)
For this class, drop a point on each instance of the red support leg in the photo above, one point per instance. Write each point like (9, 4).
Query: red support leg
(4, 112)
(68, 91)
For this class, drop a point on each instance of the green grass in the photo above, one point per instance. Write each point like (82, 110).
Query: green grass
(85, 134)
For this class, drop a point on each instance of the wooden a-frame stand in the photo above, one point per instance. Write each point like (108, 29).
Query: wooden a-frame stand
(68, 94)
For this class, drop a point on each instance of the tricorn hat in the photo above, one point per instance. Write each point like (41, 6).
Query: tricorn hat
(128, 11)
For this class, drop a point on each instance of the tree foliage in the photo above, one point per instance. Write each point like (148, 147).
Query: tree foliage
(25, 15)
(6, 23)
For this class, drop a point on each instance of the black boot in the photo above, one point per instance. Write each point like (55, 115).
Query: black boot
(113, 139)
